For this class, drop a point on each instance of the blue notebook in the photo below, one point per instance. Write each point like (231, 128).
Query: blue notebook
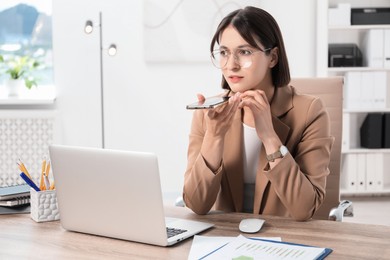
(15, 191)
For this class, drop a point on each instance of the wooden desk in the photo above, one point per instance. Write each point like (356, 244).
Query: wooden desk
(22, 238)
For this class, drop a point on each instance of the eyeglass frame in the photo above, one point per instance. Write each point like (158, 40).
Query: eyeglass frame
(236, 59)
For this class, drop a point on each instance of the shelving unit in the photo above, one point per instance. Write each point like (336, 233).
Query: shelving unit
(364, 171)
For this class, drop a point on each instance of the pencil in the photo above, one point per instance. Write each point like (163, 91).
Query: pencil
(23, 168)
(42, 180)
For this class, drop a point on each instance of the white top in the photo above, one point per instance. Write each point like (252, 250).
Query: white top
(252, 147)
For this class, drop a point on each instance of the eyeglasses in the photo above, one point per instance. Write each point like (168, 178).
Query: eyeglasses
(242, 57)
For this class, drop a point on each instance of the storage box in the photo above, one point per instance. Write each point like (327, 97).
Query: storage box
(340, 15)
(362, 16)
(44, 205)
(344, 55)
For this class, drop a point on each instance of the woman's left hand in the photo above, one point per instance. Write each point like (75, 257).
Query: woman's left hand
(257, 102)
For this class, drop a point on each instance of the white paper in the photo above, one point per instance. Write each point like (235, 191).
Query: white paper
(245, 248)
(203, 245)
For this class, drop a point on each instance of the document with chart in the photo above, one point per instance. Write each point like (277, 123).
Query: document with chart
(248, 248)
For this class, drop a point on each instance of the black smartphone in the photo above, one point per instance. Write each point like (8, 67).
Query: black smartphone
(211, 102)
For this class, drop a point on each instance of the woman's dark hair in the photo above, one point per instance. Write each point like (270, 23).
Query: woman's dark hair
(256, 25)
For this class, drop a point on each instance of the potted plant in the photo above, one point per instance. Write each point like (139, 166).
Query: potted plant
(19, 70)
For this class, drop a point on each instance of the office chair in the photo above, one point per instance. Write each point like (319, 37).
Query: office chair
(330, 91)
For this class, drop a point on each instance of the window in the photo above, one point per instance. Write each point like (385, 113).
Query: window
(26, 30)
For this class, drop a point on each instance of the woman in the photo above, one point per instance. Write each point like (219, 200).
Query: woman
(267, 150)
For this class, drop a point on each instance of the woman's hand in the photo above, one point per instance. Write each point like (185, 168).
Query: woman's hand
(220, 118)
(218, 122)
(257, 102)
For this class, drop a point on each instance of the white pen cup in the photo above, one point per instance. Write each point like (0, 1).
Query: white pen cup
(44, 205)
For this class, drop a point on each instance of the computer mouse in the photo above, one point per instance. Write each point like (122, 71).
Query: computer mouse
(251, 225)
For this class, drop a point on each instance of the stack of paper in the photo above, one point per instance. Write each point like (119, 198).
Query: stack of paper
(254, 248)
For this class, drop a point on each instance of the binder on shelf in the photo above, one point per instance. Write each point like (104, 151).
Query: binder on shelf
(349, 172)
(386, 130)
(374, 171)
(387, 49)
(373, 48)
(381, 96)
(379, 170)
(345, 136)
(352, 89)
(361, 171)
(366, 91)
(356, 119)
(371, 131)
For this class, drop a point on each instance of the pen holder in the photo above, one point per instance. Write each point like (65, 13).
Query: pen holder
(44, 205)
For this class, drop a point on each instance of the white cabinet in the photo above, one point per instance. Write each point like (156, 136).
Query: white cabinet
(366, 90)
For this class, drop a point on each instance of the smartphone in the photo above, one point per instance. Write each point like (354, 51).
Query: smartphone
(211, 102)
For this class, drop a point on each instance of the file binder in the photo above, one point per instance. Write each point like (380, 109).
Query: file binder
(349, 172)
(371, 131)
(374, 171)
(386, 130)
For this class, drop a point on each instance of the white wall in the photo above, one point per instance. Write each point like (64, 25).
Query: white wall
(145, 102)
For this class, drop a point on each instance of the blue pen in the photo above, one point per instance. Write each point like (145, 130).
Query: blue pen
(29, 181)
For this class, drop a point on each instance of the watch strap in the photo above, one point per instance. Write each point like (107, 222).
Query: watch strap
(271, 157)
(278, 154)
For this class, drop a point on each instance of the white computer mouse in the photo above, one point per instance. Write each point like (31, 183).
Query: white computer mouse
(251, 225)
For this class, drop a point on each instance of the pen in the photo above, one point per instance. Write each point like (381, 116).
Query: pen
(29, 181)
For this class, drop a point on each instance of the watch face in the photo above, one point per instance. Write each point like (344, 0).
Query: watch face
(283, 150)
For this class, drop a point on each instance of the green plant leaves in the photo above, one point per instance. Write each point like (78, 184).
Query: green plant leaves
(21, 67)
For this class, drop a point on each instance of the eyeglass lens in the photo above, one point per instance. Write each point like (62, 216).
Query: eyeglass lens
(241, 57)
(221, 58)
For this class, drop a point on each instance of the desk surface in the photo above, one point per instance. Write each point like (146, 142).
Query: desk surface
(21, 237)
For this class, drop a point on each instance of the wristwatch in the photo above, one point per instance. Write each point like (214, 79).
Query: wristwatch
(278, 154)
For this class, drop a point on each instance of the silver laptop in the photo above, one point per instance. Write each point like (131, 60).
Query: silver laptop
(115, 194)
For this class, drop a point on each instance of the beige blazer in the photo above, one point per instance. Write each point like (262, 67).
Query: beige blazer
(295, 187)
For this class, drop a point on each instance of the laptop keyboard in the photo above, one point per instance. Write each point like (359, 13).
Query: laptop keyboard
(174, 231)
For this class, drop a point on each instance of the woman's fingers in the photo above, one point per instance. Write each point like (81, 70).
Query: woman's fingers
(254, 99)
(201, 98)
